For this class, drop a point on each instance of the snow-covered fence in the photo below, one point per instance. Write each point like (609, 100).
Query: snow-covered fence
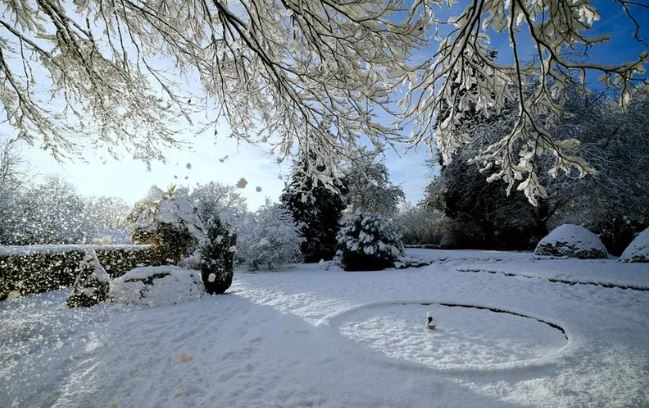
(39, 268)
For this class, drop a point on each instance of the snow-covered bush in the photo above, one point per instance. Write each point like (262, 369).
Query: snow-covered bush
(572, 241)
(638, 249)
(368, 242)
(157, 286)
(269, 238)
(215, 199)
(169, 222)
(91, 283)
(217, 256)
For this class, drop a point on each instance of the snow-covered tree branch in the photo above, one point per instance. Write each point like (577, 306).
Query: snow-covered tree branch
(115, 70)
(301, 75)
(464, 78)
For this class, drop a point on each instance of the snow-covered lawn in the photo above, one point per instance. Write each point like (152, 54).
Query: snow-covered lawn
(307, 336)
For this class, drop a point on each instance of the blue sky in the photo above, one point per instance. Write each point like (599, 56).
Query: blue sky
(129, 179)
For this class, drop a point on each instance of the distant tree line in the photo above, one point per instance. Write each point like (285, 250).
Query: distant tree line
(52, 211)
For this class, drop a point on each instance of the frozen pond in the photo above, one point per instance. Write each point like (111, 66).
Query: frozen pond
(465, 337)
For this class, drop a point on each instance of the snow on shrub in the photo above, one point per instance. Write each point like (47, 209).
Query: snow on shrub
(91, 283)
(638, 249)
(572, 241)
(169, 222)
(217, 256)
(157, 286)
(269, 238)
(368, 242)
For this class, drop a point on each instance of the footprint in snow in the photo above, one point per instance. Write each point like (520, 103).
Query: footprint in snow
(183, 357)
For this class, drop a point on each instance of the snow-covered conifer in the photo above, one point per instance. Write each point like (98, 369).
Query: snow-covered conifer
(368, 242)
(316, 207)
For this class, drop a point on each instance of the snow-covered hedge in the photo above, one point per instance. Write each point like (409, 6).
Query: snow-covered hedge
(157, 286)
(269, 238)
(169, 222)
(638, 249)
(368, 242)
(572, 241)
(39, 268)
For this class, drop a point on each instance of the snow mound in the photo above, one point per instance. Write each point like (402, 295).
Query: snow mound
(157, 286)
(572, 241)
(638, 249)
(466, 337)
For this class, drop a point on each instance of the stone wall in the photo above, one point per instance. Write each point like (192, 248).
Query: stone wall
(39, 268)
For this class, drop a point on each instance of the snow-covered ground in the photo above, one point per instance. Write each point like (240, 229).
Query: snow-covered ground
(308, 336)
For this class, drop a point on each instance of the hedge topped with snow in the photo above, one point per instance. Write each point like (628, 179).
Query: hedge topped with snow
(572, 241)
(39, 268)
(368, 242)
(638, 249)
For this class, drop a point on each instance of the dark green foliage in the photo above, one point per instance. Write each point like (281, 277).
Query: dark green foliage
(217, 257)
(316, 209)
(170, 243)
(618, 231)
(483, 215)
(368, 242)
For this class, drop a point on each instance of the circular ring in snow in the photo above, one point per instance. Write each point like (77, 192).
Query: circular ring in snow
(468, 337)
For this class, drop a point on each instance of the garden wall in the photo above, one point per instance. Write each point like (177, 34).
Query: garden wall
(39, 268)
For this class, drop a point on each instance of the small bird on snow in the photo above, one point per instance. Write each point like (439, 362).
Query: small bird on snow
(431, 324)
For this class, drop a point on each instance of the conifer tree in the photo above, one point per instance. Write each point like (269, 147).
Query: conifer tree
(316, 208)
